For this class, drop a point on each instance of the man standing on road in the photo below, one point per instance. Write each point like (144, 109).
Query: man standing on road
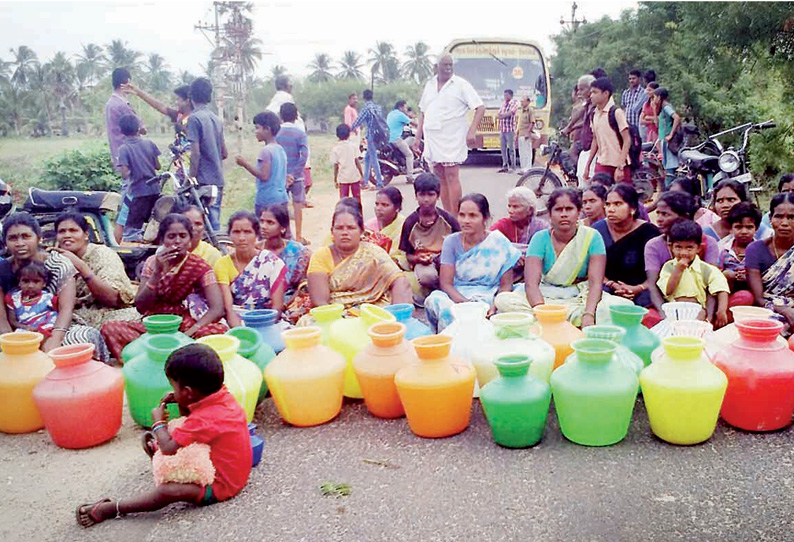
(397, 119)
(507, 132)
(584, 137)
(633, 98)
(282, 96)
(526, 125)
(445, 101)
(368, 117)
(610, 148)
(207, 146)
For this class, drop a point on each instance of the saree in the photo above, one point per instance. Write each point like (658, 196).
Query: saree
(778, 282)
(393, 231)
(561, 285)
(172, 289)
(253, 287)
(106, 265)
(477, 275)
(364, 277)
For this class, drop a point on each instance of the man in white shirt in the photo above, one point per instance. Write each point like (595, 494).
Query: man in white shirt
(445, 101)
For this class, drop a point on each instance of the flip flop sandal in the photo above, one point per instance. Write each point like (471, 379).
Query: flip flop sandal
(85, 516)
(147, 443)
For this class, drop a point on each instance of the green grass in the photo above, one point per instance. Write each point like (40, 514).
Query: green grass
(21, 162)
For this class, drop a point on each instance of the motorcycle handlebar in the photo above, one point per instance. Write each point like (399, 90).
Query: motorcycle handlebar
(767, 125)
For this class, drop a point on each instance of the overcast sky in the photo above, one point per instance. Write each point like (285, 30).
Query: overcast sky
(292, 31)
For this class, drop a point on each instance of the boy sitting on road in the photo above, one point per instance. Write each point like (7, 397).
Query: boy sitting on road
(423, 235)
(138, 161)
(214, 418)
(347, 166)
(687, 278)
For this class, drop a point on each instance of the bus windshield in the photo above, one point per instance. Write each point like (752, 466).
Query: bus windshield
(492, 68)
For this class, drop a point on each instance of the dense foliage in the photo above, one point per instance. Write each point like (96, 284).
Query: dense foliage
(724, 64)
(85, 169)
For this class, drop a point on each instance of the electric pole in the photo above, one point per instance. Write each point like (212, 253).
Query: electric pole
(574, 22)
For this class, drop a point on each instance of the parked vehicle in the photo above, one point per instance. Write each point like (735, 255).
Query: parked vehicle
(543, 181)
(392, 160)
(710, 162)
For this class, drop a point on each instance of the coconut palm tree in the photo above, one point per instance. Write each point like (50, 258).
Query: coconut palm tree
(91, 64)
(277, 71)
(121, 56)
(14, 104)
(321, 68)
(383, 61)
(5, 71)
(23, 62)
(350, 66)
(60, 78)
(184, 78)
(157, 75)
(38, 84)
(419, 65)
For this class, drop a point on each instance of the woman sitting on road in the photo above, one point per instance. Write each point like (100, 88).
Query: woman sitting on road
(198, 246)
(475, 264)
(564, 265)
(104, 291)
(274, 228)
(594, 199)
(351, 271)
(249, 278)
(625, 237)
(520, 224)
(703, 216)
(388, 221)
(770, 262)
(22, 235)
(169, 277)
(728, 193)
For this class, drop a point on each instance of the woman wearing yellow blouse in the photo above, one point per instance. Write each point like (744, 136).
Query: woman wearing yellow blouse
(351, 271)
(249, 278)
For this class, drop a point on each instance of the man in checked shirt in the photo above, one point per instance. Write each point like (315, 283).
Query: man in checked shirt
(507, 132)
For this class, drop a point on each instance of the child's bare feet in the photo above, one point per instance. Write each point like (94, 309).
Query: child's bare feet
(91, 514)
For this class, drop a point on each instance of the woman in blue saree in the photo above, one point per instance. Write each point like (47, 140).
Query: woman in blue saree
(475, 264)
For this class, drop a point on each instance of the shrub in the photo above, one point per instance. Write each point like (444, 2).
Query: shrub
(82, 169)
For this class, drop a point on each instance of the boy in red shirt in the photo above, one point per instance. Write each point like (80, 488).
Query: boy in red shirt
(213, 417)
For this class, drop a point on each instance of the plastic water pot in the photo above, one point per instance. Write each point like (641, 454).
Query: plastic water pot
(22, 367)
(81, 400)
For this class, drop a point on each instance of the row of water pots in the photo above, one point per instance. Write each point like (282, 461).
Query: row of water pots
(593, 375)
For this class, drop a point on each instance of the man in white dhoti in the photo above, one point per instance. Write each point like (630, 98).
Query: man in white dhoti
(445, 101)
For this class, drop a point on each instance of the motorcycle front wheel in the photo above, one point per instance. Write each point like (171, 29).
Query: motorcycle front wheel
(541, 182)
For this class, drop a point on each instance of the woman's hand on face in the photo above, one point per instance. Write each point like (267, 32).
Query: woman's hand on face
(165, 259)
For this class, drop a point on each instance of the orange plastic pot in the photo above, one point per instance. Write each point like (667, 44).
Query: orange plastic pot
(81, 399)
(557, 330)
(376, 365)
(437, 391)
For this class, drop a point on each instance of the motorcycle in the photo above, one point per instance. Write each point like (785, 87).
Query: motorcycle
(392, 160)
(710, 162)
(543, 181)
(98, 207)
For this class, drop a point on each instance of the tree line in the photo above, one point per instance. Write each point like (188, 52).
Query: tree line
(66, 93)
(724, 64)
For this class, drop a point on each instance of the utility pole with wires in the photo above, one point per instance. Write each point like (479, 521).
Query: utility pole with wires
(232, 33)
(574, 22)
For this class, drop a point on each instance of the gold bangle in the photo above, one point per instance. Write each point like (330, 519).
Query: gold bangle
(588, 313)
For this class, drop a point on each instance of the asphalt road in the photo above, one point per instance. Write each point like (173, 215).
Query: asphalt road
(481, 177)
(737, 486)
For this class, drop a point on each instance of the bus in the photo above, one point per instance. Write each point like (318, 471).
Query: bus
(493, 65)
